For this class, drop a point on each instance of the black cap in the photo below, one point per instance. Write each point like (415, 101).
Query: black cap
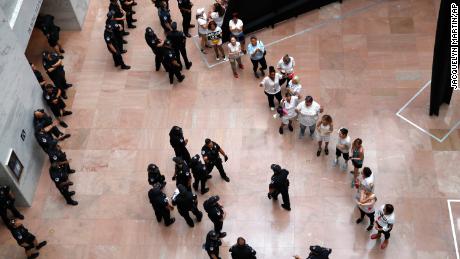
(275, 167)
(152, 168)
(213, 199)
(174, 26)
(196, 157)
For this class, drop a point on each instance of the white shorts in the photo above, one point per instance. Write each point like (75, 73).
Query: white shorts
(324, 138)
(287, 118)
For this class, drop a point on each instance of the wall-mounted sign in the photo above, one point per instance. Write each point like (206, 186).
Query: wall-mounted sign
(15, 165)
(23, 135)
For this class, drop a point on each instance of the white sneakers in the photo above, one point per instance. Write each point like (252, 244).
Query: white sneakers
(343, 166)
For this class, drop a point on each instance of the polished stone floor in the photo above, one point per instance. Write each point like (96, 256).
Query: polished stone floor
(362, 60)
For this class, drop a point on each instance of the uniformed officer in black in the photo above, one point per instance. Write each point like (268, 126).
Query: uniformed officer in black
(211, 155)
(171, 63)
(186, 201)
(111, 46)
(25, 239)
(56, 155)
(127, 6)
(39, 76)
(155, 176)
(117, 32)
(46, 140)
(212, 244)
(119, 14)
(165, 16)
(55, 70)
(185, 7)
(241, 250)
(155, 44)
(7, 203)
(60, 177)
(178, 39)
(51, 31)
(215, 213)
(182, 173)
(52, 96)
(157, 3)
(44, 121)
(160, 204)
(200, 174)
(279, 184)
(179, 143)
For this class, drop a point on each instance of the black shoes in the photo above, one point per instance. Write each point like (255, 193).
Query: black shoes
(290, 127)
(132, 26)
(71, 171)
(200, 217)
(205, 190)
(188, 66)
(318, 153)
(181, 78)
(222, 234)
(33, 256)
(286, 207)
(125, 67)
(123, 51)
(226, 179)
(170, 222)
(66, 113)
(63, 124)
(42, 244)
(72, 193)
(256, 75)
(359, 220)
(188, 35)
(65, 136)
(73, 203)
(326, 151)
(281, 130)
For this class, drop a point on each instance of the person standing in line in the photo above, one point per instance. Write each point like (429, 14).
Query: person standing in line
(186, 201)
(216, 214)
(294, 87)
(202, 22)
(119, 16)
(212, 244)
(343, 148)
(236, 28)
(51, 32)
(200, 174)
(179, 143)
(286, 68)
(52, 96)
(160, 204)
(7, 203)
(385, 219)
(111, 46)
(165, 17)
(25, 239)
(234, 55)
(185, 7)
(366, 180)
(308, 111)
(288, 104)
(178, 42)
(218, 14)
(59, 175)
(154, 175)
(155, 44)
(214, 36)
(366, 201)
(324, 128)
(171, 62)
(39, 76)
(357, 159)
(55, 69)
(127, 6)
(272, 88)
(257, 53)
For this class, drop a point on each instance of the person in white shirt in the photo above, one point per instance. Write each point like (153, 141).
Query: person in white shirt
(288, 105)
(272, 88)
(215, 38)
(343, 148)
(324, 129)
(308, 111)
(235, 26)
(202, 21)
(286, 68)
(384, 221)
(294, 87)
(218, 14)
(366, 180)
(366, 201)
(234, 55)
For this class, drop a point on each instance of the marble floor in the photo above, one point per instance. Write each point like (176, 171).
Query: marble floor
(362, 60)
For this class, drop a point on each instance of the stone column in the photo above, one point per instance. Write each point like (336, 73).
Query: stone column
(68, 14)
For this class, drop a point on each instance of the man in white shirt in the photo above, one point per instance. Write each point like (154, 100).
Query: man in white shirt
(343, 148)
(384, 221)
(236, 28)
(286, 68)
(308, 111)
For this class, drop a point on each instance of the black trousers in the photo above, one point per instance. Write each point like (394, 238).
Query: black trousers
(174, 71)
(4, 214)
(271, 98)
(117, 59)
(186, 18)
(284, 195)
(158, 61)
(218, 226)
(59, 81)
(163, 214)
(199, 181)
(255, 64)
(218, 165)
(56, 132)
(182, 51)
(185, 213)
(183, 153)
(283, 80)
(129, 18)
(369, 215)
(66, 193)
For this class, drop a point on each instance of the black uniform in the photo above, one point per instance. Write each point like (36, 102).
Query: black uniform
(160, 204)
(50, 30)
(182, 173)
(187, 201)
(54, 101)
(45, 121)
(118, 13)
(165, 18)
(177, 39)
(45, 140)
(128, 8)
(7, 203)
(153, 41)
(109, 37)
(56, 155)
(155, 176)
(157, 3)
(23, 236)
(39, 77)
(280, 184)
(185, 7)
(58, 174)
(213, 159)
(58, 74)
(172, 64)
(242, 252)
(177, 141)
(212, 244)
(215, 213)
(200, 174)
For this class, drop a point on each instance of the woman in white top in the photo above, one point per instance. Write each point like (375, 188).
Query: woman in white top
(286, 68)
(234, 55)
(235, 26)
(202, 21)
(288, 105)
(215, 39)
(218, 14)
(272, 88)
(308, 111)
(366, 201)
(294, 87)
(325, 129)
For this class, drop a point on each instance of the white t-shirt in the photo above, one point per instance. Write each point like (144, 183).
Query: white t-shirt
(215, 36)
(234, 51)
(384, 220)
(366, 183)
(287, 68)
(290, 106)
(366, 208)
(271, 87)
(218, 19)
(295, 88)
(202, 21)
(324, 130)
(344, 141)
(233, 26)
(308, 115)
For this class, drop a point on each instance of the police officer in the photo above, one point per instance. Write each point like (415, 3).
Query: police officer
(160, 204)
(157, 3)
(171, 63)
(155, 44)
(200, 174)
(279, 184)
(56, 155)
(51, 32)
(25, 239)
(210, 152)
(212, 244)
(111, 46)
(119, 14)
(182, 173)
(117, 32)
(60, 177)
(178, 39)
(7, 203)
(155, 176)
(55, 70)
(44, 121)
(46, 140)
(52, 96)
(165, 16)
(185, 7)
(215, 213)
(241, 250)
(127, 6)
(39, 76)
(179, 143)
(186, 201)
